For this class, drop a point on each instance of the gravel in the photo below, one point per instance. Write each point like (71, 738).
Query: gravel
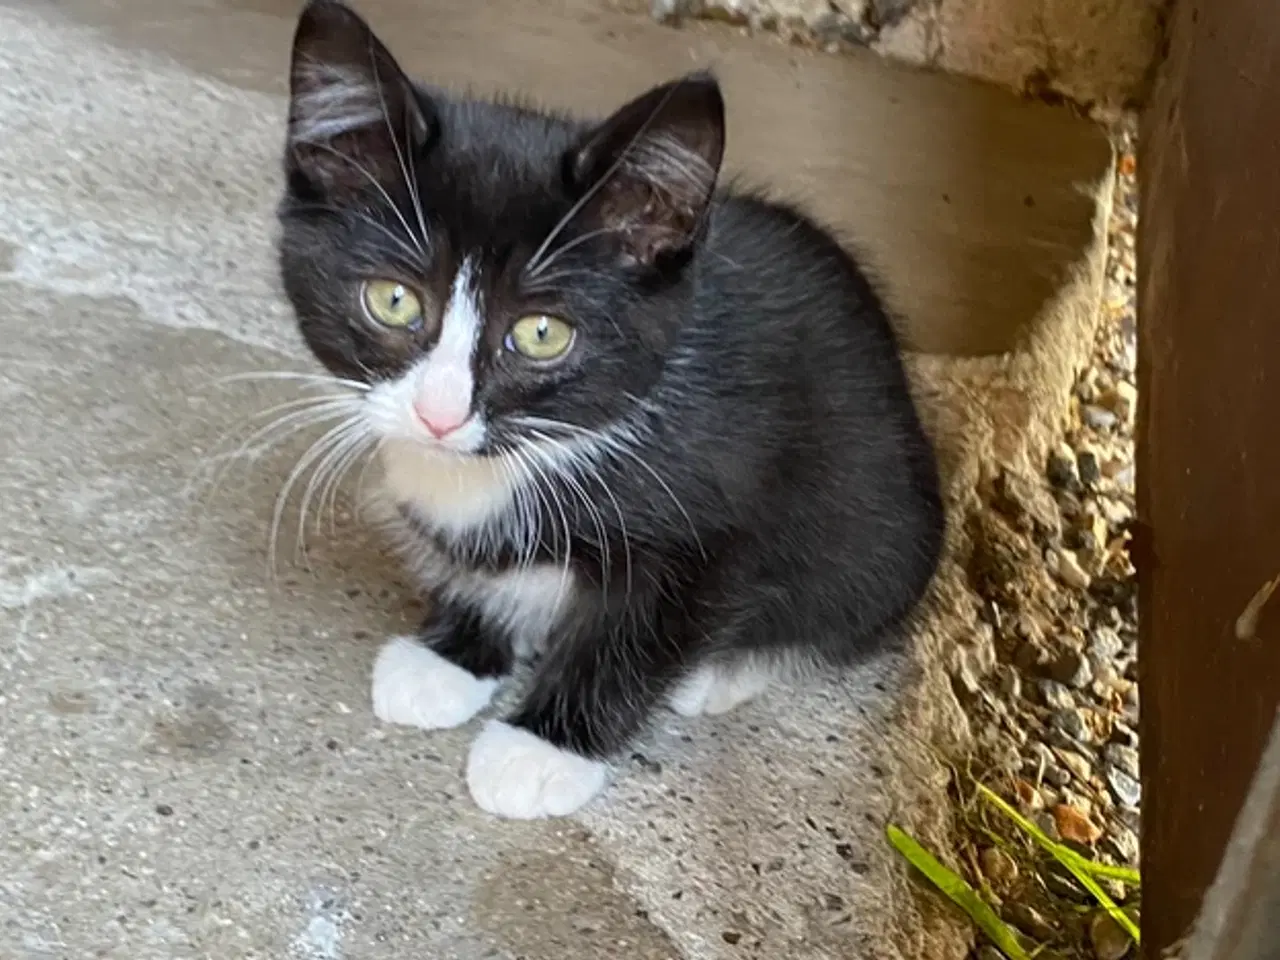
(1056, 673)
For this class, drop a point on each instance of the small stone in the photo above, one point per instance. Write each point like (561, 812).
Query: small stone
(1031, 657)
(1069, 571)
(1056, 776)
(1080, 768)
(1126, 758)
(164, 810)
(1029, 921)
(1029, 798)
(1072, 668)
(963, 675)
(1061, 469)
(1121, 400)
(1124, 735)
(1010, 682)
(1088, 467)
(1074, 825)
(1126, 789)
(999, 867)
(1106, 679)
(1070, 722)
(1121, 843)
(1055, 696)
(1098, 418)
(1104, 644)
(1108, 938)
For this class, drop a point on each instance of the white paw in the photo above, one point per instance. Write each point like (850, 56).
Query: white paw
(713, 690)
(416, 686)
(512, 773)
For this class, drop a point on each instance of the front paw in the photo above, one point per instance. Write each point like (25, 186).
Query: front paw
(414, 685)
(513, 773)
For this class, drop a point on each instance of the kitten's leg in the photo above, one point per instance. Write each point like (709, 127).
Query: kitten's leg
(716, 686)
(442, 676)
(588, 699)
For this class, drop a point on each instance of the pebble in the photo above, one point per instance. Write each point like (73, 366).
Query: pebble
(1073, 669)
(1108, 939)
(1056, 776)
(1010, 682)
(1124, 734)
(1126, 789)
(1121, 843)
(1098, 418)
(1055, 695)
(963, 672)
(1088, 467)
(999, 867)
(1121, 400)
(1104, 644)
(1061, 469)
(1029, 920)
(1069, 570)
(1078, 765)
(1070, 722)
(1125, 758)
(1074, 824)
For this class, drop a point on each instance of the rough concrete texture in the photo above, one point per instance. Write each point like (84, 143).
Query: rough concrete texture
(188, 763)
(1097, 53)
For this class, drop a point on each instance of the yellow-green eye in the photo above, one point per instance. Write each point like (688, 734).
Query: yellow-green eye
(540, 337)
(391, 304)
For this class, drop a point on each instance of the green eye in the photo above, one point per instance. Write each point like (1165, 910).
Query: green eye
(391, 304)
(540, 337)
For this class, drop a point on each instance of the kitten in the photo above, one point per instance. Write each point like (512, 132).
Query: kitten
(655, 435)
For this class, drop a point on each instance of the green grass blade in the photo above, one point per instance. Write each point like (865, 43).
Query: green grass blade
(960, 893)
(1081, 868)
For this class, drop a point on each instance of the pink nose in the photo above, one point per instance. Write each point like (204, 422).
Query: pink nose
(439, 426)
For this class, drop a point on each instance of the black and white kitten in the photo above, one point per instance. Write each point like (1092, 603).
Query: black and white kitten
(655, 435)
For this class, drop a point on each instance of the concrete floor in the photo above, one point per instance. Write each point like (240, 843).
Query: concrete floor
(188, 763)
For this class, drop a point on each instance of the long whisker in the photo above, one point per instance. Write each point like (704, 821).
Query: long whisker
(336, 451)
(303, 413)
(377, 186)
(317, 449)
(414, 256)
(611, 443)
(316, 379)
(409, 180)
(596, 187)
(534, 272)
(579, 460)
(528, 455)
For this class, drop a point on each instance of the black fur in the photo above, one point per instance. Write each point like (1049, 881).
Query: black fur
(775, 495)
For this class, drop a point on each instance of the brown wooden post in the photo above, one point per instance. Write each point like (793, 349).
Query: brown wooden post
(1208, 442)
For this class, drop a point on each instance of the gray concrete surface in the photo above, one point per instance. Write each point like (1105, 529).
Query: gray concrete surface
(188, 763)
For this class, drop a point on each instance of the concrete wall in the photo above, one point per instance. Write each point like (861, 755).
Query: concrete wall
(1090, 51)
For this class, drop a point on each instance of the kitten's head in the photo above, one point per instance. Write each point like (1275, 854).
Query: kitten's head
(485, 269)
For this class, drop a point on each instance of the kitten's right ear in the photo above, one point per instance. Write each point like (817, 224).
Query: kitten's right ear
(353, 114)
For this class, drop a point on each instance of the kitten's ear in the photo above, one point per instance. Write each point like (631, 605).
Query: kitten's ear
(353, 114)
(648, 172)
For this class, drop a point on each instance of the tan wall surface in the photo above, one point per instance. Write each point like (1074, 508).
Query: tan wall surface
(1090, 51)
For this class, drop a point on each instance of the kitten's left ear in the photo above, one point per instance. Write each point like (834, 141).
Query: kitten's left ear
(648, 172)
(353, 114)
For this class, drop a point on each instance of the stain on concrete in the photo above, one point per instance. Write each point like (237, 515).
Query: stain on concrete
(559, 897)
(195, 727)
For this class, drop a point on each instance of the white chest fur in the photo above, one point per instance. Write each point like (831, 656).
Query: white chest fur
(461, 496)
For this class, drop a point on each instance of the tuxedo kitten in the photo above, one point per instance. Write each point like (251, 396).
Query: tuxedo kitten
(652, 435)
